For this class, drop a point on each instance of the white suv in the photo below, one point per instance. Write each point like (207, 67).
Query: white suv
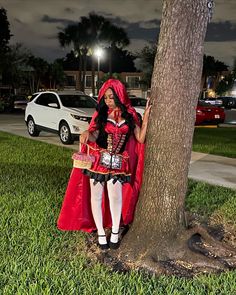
(66, 113)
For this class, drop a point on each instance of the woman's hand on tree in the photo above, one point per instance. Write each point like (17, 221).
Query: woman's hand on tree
(147, 110)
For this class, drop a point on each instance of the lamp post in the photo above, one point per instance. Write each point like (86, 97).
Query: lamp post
(98, 54)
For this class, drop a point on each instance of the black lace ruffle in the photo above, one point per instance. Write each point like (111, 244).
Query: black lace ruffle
(105, 177)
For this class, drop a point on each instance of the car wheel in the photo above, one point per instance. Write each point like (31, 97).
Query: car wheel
(65, 134)
(32, 129)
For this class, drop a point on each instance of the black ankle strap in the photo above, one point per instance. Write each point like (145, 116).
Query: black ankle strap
(115, 233)
(101, 236)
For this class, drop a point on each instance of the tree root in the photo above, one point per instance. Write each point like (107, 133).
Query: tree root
(197, 250)
(202, 242)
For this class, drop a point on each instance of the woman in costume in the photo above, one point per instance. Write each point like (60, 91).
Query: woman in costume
(115, 137)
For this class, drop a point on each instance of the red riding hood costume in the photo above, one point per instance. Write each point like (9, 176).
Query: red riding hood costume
(76, 211)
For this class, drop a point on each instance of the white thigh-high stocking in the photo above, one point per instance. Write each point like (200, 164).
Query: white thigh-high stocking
(115, 200)
(96, 206)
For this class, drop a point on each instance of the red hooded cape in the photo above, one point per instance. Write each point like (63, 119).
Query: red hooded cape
(76, 211)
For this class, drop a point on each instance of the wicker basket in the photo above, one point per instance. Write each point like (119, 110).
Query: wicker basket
(83, 160)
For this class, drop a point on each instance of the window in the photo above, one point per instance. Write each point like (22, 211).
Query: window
(133, 81)
(88, 81)
(70, 80)
(45, 98)
(32, 97)
(77, 101)
(135, 102)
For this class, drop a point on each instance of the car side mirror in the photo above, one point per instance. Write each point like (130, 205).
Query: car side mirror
(53, 105)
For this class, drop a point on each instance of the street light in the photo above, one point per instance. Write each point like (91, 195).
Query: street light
(98, 53)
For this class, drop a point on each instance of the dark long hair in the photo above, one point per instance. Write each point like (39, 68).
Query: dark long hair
(101, 119)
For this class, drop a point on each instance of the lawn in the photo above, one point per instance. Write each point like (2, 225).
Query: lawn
(217, 141)
(36, 258)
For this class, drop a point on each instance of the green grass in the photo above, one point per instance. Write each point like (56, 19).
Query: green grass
(217, 141)
(36, 258)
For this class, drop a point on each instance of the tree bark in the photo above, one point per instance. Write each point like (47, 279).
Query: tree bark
(159, 218)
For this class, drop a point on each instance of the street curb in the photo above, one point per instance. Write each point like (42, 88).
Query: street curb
(231, 125)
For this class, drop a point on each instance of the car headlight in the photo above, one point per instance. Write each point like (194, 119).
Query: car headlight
(81, 118)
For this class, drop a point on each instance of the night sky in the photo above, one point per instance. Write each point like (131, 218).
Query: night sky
(36, 23)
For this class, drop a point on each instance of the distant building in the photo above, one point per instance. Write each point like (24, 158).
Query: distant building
(132, 81)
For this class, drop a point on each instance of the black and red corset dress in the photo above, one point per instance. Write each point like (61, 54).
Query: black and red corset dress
(111, 158)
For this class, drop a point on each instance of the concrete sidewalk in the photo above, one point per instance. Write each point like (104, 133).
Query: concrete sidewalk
(204, 167)
(213, 169)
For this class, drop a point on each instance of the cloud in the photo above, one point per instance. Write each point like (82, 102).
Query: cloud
(48, 19)
(68, 10)
(223, 51)
(18, 21)
(37, 23)
(136, 32)
(137, 44)
(224, 10)
(152, 24)
(221, 31)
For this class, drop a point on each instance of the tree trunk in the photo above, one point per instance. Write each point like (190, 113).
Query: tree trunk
(38, 84)
(159, 218)
(84, 70)
(93, 77)
(110, 59)
(79, 72)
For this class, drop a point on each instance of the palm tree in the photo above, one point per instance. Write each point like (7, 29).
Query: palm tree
(74, 35)
(93, 31)
(84, 36)
(116, 37)
(94, 27)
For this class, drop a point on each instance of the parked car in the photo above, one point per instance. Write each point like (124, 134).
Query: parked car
(20, 102)
(228, 102)
(208, 114)
(139, 104)
(214, 101)
(66, 113)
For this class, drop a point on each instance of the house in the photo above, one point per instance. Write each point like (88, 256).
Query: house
(132, 80)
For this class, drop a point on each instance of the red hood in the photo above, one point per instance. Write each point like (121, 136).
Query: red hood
(121, 92)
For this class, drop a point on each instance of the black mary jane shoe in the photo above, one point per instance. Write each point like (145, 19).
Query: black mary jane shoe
(112, 245)
(102, 246)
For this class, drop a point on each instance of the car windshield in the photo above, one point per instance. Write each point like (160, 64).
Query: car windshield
(138, 102)
(77, 101)
(203, 103)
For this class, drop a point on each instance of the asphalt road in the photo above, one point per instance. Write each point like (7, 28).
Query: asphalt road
(230, 116)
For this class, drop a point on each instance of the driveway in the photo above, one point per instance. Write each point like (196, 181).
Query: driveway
(15, 124)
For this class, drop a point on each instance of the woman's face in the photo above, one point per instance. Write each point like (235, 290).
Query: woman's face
(109, 99)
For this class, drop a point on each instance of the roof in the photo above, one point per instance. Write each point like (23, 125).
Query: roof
(66, 92)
